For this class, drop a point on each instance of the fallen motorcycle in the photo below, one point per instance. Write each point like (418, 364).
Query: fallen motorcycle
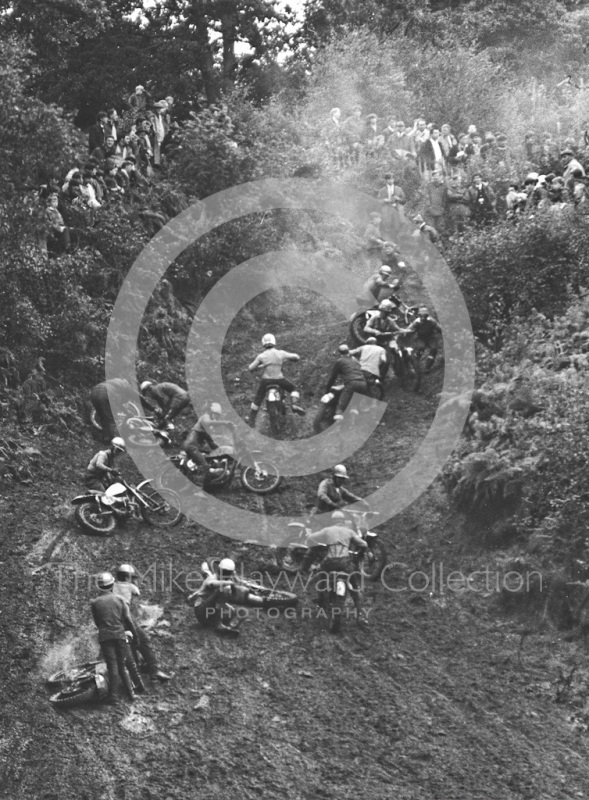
(240, 593)
(138, 428)
(87, 683)
(100, 512)
(258, 476)
(371, 561)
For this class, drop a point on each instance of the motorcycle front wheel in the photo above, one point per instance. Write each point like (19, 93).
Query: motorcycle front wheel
(261, 479)
(58, 679)
(163, 509)
(90, 517)
(75, 695)
(374, 560)
(357, 326)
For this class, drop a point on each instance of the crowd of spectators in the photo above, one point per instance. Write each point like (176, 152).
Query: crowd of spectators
(461, 179)
(124, 152)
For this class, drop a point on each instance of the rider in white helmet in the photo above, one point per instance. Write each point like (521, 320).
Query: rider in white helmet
(113, 620)
(125, 588)
(270, 361)
(101, 470)
(217, 591)
(381, 285)
(201, 436)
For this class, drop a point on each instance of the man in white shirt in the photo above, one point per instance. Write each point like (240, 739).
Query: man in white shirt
(270, 361)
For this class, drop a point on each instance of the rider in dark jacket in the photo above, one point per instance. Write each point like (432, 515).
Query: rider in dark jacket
(346, 370)
(426, 331)
(168, 399)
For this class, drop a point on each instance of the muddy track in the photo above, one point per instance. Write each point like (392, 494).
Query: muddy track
(429, 702)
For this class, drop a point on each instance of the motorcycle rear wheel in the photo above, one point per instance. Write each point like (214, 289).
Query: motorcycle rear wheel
(164, 509)
(336, 612)
(261, 479)
(77, 695)
(90, 518)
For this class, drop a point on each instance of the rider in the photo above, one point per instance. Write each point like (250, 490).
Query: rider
(332, 494)
(112, 618)
(167, 399)
(426, 330)
(348, 371)
(270, 361)
(117, 389)
(383, 326)
(101, 467)
(332, 544)
(200, 435)
(373, 360)
(380, 286)
(216, 592)
(125, 588)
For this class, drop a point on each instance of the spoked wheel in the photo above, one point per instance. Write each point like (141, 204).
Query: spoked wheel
(289, 559)
(357, 326)
(278, 599)
(374, 561)
(90, 517)
(75, 695)
(163, 509)
(262, 478)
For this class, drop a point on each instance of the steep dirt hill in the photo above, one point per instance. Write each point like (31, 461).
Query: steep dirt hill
(431, 701)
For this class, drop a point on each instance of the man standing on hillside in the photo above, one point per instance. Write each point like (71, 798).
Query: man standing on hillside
(112, 618)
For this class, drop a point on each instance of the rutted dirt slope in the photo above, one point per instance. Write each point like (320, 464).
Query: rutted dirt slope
(429, 702)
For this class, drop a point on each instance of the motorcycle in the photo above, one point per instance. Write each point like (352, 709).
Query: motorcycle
(260, 477)
(338, 595)
(276, 408)
(370, 561)
(99, 512)
(403, 315)
(137, 428)
(239, 594)
(404, 362)
(87, 683)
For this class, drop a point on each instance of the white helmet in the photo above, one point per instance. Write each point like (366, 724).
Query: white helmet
(105, 580)
(126, 569)
(216, 408)
(385, 270)
(226, 565)
(386, 305)
(338, 515)
(118, 444)
(144, 385)
(339, 471)
(269, 340)
(371, 340)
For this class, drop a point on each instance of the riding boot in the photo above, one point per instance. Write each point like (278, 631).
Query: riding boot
(429, 362)
(225, 630)
(294, 398)
(252, 416)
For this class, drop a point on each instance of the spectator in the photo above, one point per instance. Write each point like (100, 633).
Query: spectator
(372, 235)
(353, 130)
(482, 201)
(502, 152)
(145, 138)
(400, 143)
(515, 202)
(458, 204)
(431, 153)
(447, 140)
(107, 150)
(97, 133)
(568, 163)
(427, 230)
(392, 197)
(549, 152)
(472, 133)
(390, 129)
(58, 239)
(420, 134)
(172, 140)
(113, 123)
(170, 110)
(160, 131)
(461, 152)
(140, 99)
(87, 190)
(488, 148)
(373, 140)
(477, 144)
(436, 195)
(334, 136)
(531, 148)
